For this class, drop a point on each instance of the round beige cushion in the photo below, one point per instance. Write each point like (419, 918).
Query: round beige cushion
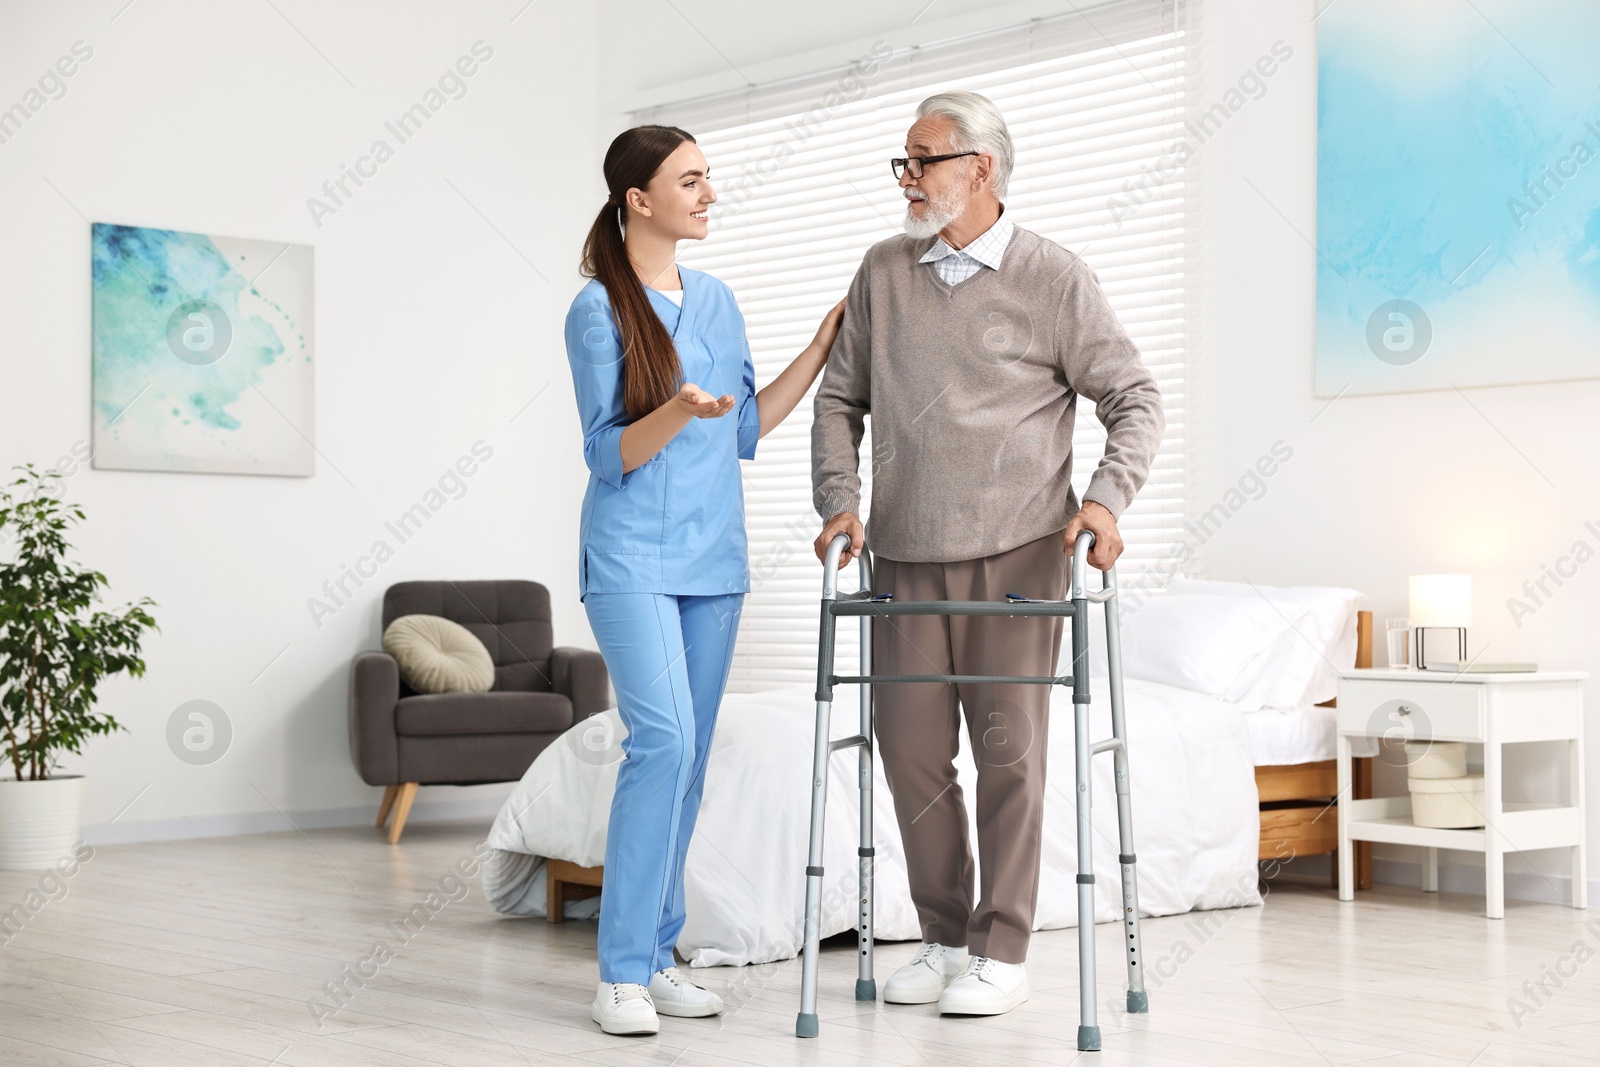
(438, 656)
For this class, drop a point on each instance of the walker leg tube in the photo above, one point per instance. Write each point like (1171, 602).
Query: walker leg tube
(806, 1024)
(1138, 999)
(1088, 1028)
(866, 984)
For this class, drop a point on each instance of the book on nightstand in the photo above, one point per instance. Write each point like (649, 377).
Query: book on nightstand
(1475, 667)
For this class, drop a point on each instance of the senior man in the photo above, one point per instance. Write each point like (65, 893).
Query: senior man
(968, 339)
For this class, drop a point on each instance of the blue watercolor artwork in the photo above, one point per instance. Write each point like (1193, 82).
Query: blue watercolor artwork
(1458, 194)
(202, 353)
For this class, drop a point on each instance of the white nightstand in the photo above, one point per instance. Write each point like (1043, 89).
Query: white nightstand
(1489, 709)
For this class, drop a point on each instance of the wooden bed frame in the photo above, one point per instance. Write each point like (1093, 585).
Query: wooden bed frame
(1299, 802)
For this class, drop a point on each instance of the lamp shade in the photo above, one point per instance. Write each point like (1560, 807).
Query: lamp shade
(1441, 600)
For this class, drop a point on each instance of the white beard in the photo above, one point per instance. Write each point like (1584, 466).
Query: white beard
(936, 215)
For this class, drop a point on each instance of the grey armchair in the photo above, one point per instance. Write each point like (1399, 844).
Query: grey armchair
(402, 739)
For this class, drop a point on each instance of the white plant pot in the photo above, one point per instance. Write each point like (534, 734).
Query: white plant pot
(39, 821)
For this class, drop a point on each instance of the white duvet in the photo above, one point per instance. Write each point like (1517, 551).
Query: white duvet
(1196, 821)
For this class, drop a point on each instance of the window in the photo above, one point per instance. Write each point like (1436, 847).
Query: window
(1096, 103)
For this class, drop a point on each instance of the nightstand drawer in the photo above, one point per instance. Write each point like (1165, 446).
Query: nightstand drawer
(1404, 710)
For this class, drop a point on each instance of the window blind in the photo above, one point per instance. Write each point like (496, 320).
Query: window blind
(1095, 101)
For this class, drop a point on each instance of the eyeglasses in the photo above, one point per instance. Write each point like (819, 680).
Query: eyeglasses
(914, 164)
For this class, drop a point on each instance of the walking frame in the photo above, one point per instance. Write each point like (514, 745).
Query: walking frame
(866, 606)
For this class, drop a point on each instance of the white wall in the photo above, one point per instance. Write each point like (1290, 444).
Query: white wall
(434, 328)
(1379, 487)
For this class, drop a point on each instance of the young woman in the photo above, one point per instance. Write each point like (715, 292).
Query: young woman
(666, 394)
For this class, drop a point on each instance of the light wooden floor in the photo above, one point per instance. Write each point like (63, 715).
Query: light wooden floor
(207, 952)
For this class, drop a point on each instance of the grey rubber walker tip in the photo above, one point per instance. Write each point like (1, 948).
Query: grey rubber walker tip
(1138, 1003)
(805, 1025)
(866, 989)
(1088, 1039)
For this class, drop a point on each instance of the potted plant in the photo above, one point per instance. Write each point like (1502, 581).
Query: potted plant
(54, 652)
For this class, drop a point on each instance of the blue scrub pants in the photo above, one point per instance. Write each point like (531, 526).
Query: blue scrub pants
(668, 657)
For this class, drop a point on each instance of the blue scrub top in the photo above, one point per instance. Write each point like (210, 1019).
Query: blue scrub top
(674, 524)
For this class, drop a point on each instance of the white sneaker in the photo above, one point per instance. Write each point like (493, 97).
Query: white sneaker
(986, 987)
(624, 1008)
(674, 994)
(924, 978)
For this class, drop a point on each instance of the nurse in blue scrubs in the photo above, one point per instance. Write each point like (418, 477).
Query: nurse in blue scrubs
(666, 395)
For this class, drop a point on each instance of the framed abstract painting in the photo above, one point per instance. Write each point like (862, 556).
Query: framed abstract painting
(1458, 194)
(202, 353)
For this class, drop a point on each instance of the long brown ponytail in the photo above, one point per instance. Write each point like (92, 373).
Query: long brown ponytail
(651, 372)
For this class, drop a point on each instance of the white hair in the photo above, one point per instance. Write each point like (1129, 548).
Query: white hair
(979, 127)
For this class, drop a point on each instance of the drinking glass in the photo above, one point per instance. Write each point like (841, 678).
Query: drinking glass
(1398, 633)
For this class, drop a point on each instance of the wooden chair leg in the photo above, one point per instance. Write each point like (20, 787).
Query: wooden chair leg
(402, 808)
(389, 792)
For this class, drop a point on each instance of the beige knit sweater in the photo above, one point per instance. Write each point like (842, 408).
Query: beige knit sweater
(973, 392)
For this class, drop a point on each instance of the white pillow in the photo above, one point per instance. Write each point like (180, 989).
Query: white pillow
(1212, 644)
(1304, 666)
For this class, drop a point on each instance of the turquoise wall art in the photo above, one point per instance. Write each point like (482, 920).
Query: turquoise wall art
(202, 353)
(1458, 194)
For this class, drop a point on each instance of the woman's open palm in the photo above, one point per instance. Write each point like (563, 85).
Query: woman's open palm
(701, 404)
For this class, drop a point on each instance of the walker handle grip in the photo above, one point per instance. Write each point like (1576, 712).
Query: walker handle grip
(1080, 562)
(830, 565)
(836, 548)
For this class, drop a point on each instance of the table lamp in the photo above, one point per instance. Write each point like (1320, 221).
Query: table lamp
(1441, 601)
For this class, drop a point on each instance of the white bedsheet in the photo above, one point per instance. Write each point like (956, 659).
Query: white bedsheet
(1279, 737)
(1195, 811)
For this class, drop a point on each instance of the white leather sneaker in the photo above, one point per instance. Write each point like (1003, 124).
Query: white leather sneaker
(986, 987)
(924, 978)
(624, 1008)
(675, 995)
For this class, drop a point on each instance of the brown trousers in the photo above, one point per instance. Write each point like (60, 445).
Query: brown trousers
(919, 735)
